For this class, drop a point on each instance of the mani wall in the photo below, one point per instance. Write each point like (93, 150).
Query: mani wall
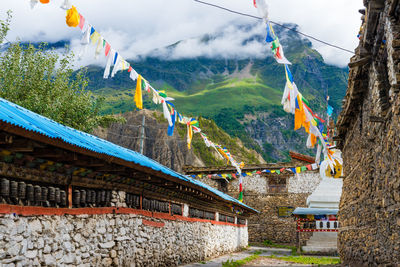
(368, 134)
(68, 198)
(111, 236)
(267, 192)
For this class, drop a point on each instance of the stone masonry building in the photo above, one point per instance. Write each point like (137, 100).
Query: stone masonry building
(274, 195)
(368, 134)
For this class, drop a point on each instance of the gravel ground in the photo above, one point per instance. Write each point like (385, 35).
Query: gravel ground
(262, 261)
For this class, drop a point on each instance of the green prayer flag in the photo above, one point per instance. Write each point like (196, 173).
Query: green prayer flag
(240, 196)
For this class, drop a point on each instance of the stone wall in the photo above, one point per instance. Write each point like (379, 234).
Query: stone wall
(369, 127)
(267, 225)
(112, 236)
(107, 239)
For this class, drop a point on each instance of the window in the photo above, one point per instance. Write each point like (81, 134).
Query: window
(277, 185)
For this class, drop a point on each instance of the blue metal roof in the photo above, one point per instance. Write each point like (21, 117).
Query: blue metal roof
(30, 121)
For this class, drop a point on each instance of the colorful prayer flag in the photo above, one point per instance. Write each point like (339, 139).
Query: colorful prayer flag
(138, 93)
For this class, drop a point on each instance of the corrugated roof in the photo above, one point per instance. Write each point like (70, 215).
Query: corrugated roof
(30, 121)
(315, 211)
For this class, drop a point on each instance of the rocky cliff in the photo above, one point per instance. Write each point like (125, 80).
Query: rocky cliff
(172, 151)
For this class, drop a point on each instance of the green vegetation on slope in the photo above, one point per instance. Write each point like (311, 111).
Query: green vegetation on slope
(225, 90)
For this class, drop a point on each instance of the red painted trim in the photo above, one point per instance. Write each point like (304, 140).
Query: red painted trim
(153, 224)
(40, 211)
(302, 157)
(318, 230)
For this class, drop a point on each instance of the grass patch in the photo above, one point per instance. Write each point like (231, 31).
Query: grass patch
(238, 263)
(308, 260)
(269, 243)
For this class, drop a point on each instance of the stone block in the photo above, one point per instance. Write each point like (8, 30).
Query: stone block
(107, 245)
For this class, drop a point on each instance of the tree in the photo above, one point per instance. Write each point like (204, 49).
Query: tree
(45, 82)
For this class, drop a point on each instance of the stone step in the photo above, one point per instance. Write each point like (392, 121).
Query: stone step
(323, 243)
(319, 249)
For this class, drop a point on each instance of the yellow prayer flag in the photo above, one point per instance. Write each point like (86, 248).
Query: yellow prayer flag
(138, 93)
(73, 17)
(95, 37)
(298, 170)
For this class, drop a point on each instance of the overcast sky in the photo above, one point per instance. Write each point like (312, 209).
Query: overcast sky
(135, 27)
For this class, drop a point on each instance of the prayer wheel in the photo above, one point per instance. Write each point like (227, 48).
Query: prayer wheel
(45, 192)
(21, 190)
(30, 193)
(108, 198)
(57, 195)
(38, 194)
(76, 198)
(63, 198)
(92, 198)
(52, 194)
(14, 189)
(128, 200)
(98, 198)
(83, 197)
(103, 196)
(5, 187)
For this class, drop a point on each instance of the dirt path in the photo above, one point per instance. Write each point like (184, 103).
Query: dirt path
(262, 261)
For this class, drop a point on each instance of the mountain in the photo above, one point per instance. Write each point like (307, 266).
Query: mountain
(172, 151)
(240, 89)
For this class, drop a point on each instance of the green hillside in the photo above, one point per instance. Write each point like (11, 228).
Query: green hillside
(230, 90)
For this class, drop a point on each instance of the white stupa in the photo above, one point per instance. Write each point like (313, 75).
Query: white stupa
(325, 196)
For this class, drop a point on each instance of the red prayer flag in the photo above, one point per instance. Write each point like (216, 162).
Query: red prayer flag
(209, 176)
(258, 172)
(107, 50)
(233, 175)
(81, 21)
(282, 170)
(130, 69)
(309, 167)
(240, 188)
(255, 4)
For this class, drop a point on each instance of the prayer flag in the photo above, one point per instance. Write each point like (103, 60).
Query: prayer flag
(330, 111)
(309, 167)
(298, 170)
(73, 17)
(138, 93)
(314, 166)
(81, 21)
(270, 34)
(107, 50)
(173, 118)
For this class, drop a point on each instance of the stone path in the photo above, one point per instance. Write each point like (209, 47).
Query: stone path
(217, 262)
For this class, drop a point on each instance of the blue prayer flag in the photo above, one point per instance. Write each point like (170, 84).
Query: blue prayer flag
(289, 73)
(330, 111)
(270, 36)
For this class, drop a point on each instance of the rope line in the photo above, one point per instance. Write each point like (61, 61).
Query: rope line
(278, 24)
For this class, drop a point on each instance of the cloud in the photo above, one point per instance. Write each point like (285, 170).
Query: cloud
(136, 27)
